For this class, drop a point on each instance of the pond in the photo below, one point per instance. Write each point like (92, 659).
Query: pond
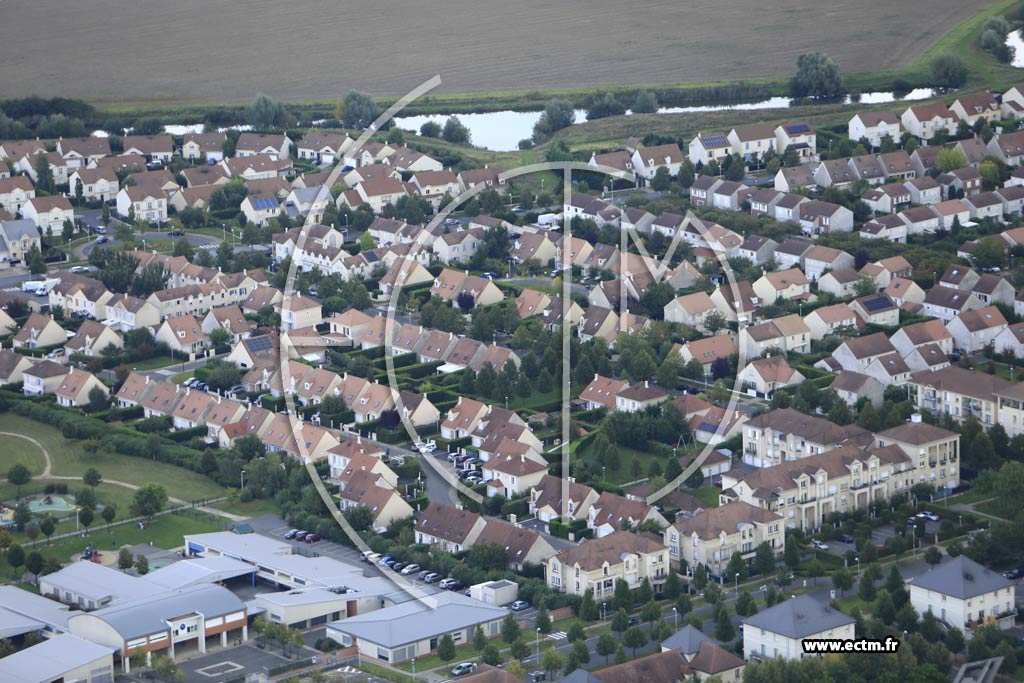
(501, 131)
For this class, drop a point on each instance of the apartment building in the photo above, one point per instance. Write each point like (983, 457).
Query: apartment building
(712, 536)
(786, 434)
(598, 563)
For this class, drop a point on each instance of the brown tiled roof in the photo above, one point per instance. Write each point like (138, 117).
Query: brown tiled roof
(446, 522)
(711, 522)
(595, 552)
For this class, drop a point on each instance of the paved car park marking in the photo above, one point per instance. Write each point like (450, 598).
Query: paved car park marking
(219, 669)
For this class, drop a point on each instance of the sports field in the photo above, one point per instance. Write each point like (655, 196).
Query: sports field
(192, 51)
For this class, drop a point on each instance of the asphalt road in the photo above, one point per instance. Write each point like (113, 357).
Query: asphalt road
(93, 218)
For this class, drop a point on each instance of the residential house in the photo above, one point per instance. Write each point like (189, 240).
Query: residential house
(185, 335)
(875, 126)
(964, 594)
(49, 214)
(39, 330)
(852, 386)
(197, 145)
(974, 330)
(780, 630)
(925, 120)
(763, 376)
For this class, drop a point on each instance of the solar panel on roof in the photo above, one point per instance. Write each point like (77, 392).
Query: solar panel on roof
(715, 140)
(262, 203)
(876, 304)
(260, 343)
(798, 128)
(370, 256)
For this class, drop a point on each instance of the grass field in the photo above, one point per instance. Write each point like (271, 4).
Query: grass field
(69, 458)
(17, 451)
(239, 50)
(165, 532)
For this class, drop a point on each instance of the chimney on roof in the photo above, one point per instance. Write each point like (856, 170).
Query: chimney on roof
(915, 418)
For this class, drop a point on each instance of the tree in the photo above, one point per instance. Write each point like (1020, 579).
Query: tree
(455, 131)
(85, 517)
(542, 621)
(842, 580)
(479, 639)
(19, 475)
(634, 637)
(933, 555)
(588, 608)
(446, 648)
(622, 598)
(149, 499)
(673, 587)
(950, 159)
(606, 645)
(817, 76)
(604, 106)
(265, 112)
(431, 129)
(15, 557)
(906, 617)
(764, 558)
(182, 247)
(791, 555)
(108, 513)
(884, 608)
(551, 661)
(220, 338)
(724, 630)
(700, 577)
(360, 110)
(47, 526)
(360, 518)
(165, 668)
(152, 278)
(736, 566)
(620, 621)
(36, 262)
(650, 612)
(34, 564)
(124, 558)
(989, 253)
(645, 103)
(746, 604)
(142, 564)
(557, 114)
(509, 629)
(948, 71)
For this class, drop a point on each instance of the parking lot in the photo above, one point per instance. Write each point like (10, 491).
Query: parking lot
(230, 664)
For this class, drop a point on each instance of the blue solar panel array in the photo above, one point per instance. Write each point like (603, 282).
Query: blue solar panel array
(264, 203)
(798, 128)
(876, 304)
(715, 140)
(260, 343)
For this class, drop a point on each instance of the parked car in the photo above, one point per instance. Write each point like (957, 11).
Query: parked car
(463, 668)
(455, 585)
(384, 560)
(291, 533)
(300, 535)
(519, 606)
(79, 269)
(410, 569)
(633, 621)
(102, 239)
(432, 577)
(845, 538)
(398, 566)
(447, 583)
(422, 576)
(1014, 573)
(538, 676)
(819, 545)
(312, 538)
(177, 232)
(930, 516)
(367, 556)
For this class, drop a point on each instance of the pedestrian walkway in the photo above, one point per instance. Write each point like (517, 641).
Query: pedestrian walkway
(558, 635)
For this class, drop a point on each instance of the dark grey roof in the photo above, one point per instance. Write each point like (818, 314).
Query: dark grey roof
(417, 620)
(961, 577)
(687, 640)
(145, 616)
(799, 617)
(15, 230)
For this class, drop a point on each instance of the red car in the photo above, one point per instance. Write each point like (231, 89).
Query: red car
(312, 538)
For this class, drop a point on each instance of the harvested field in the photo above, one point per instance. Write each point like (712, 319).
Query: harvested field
(110, 51)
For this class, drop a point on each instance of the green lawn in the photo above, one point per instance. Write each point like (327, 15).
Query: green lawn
(625, 471)
(708, 494)
(165, 532)
(69, 458)
(993, 508)
(154, 363)
(252, 508)
(17, 451)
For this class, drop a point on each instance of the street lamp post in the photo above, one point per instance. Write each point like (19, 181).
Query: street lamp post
(604, 608)
(414, 667)
(858, 566)
(675, 617)
(538, 645)
(737, 584)
(243, 481)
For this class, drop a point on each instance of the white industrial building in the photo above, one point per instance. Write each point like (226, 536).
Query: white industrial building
(65, 658)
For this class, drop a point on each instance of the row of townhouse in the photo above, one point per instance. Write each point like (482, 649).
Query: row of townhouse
(754, 141)
(819, 469)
